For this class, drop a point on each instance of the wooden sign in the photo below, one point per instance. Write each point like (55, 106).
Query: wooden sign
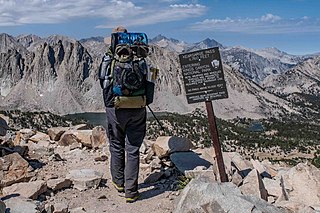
(204, 81)
(203, 75)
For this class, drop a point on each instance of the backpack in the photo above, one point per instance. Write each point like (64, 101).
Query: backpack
(129, 70)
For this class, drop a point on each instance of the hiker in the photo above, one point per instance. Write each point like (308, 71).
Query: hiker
(123, 78)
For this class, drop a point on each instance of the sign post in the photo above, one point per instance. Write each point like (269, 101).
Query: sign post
(216, 142)
(204, 81)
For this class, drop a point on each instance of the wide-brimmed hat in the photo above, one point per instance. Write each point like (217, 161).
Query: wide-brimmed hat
(118, 29)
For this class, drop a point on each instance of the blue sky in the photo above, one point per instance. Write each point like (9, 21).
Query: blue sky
(292, 26)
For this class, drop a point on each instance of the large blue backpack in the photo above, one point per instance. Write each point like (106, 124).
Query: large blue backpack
(129, 69)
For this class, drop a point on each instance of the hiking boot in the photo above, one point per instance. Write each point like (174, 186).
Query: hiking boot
(118, 188)
(133, 199)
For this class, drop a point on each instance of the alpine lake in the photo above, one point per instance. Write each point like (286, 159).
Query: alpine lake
(99, 118)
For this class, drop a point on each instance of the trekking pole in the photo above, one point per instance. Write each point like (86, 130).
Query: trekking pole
(156, 118)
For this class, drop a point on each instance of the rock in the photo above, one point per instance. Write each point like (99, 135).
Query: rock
(200, 173)
(99, 137)
(28, 190)
(237, 179)
(227, 163)
(273, 187)
(23, 135)
(305, 182)
(49, 208)
(57, 184)
(165, 145)
(206, 153)
(271, 170)
(154, 177)
(167, 163)
(284, 193)
(18, 204)
(105, 151)
(56, 157)
(168, 172)
(7, 140)
(148, 143)
(39, 136)
(81, 127)
(185, 161)
(5, 118)
(155, 164)
(243, 166)
(76, 136)
(253, 185)
(84, 136)
(144, 167)
(260, 168)
(60, 208)
(2, 205)
(39, 149)
(146, 146)
(75, 146)
(205, 195)
(14, 169)
(147, 158)
(295, 207)
(68, 138)
(78, 210)
(3, 127)
(271, 199)
(230, 170)
(55, 133)
(21, 150)
(84, 178)
(102, 157)
(143, 148)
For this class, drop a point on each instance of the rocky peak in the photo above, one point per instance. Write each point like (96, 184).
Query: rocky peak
(169, 44)
(303, 78)
(60, 56)
(162, 37)
(276, 54)
(274, 50)
(211, 43)
(11, 71)
(56, 38)
(53, 74)
(95, 45)
(92, 39)
(27, 40)
(205, 44)
(8, 42)
(253, 65)
(158, 38)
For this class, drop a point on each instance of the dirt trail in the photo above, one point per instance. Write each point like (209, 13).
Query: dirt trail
(157, 198)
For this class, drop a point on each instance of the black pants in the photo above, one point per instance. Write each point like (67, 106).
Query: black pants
(126, 130)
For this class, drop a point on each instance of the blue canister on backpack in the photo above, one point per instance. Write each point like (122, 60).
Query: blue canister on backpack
(117, 90)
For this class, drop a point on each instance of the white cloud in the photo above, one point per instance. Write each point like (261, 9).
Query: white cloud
(270, 17)
(154, 15)
(266, 24)
(20, 12)
(186, 6)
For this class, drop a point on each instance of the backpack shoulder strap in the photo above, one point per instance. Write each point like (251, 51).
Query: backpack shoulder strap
(113, 62)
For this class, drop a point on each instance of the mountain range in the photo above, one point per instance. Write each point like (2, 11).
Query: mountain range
(59, 74)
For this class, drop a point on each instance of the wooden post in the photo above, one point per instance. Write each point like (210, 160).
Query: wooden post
(215, 142)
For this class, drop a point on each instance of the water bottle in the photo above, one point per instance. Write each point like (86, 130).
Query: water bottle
(103, 74)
